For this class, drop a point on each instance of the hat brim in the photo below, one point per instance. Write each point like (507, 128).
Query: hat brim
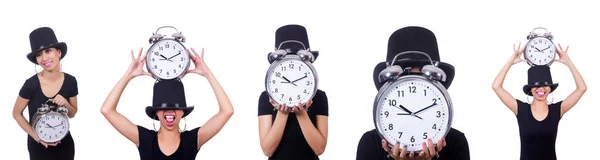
(151, 111)
(527, 88)
(446, 67)
(61, 45)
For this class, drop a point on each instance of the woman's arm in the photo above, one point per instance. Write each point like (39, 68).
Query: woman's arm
(215, 123)
(271, 133)
(315, 136)
(72, 106)
(574, 97)
(504, 96)
(116, 119)
(20, 105)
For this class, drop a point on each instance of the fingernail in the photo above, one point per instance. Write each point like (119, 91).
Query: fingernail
(382, 141)
(405, 146)
(397, 142)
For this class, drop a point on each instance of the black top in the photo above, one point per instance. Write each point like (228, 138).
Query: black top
(293, 145)
(149, 149)
(32, 91)
(457, 147)
(538, 138)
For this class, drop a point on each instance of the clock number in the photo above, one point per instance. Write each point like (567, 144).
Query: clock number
(273, 81)
(282, 95)
(167, 73)
(174, 71)
(438, 114)
(412, 89)
(160, 70)
(434, 100)
(156, 53)
(152, 59)
(424, 92)
(391, 126)
(53, 117)
(412, 139)
(386, 114)
(167, 45)
(305, 91)
(181, 58)
(307, 83)
(160, 48)
(299, 68)
(298, 97)
(277, 90)
(392, 102)
(179, 65)
(291, 66)
(277, 74)
(434, 126)
(305, 74)
(400, 93)
(155, 66)
(400, 135)
(290, 99)
(283, 68)
(425, 135)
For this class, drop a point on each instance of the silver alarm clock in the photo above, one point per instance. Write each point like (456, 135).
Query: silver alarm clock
(291, 78)
(51, 122)
(410, 108)
(540, 50)
(167, 58)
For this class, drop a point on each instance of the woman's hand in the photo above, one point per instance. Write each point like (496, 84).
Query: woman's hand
(301, 110)
(280, 107)
(59, 100)
(47, 145)
(427, 153)
(199, 65)
(517, 52)
(563, 56)
(136, 68)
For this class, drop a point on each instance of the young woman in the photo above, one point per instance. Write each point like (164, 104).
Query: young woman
(49, 84)
(169, 108)
(455, 145)
(293, 133)
(538, 120)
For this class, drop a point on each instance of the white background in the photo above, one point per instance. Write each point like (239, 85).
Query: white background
(475, 37)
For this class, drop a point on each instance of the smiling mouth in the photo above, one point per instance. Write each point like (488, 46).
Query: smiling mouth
(540, 93)
(169, 119)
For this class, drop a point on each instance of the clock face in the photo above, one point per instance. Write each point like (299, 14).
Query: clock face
(540, 51)
(52, 127)
(291, 81)
(167, 59)
(411, 111)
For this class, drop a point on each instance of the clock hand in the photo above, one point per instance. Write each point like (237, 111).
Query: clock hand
(426, 108)
(299, 79)
(408, 114)
(288, 81)
(545, 48)
(49, 126)
(165, 58)
(173, 56)
(61, 123)
(537, 49)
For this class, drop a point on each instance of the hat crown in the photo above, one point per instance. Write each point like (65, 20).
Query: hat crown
(291, 32)
(42, 37)
(539, 75)
(412, 38)
(169, 92)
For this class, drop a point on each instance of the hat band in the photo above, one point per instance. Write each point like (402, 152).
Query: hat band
(169, 105)
(541, 84)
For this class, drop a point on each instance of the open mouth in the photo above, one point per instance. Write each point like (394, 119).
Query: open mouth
(540, 93)
(169, 119)
(47, 63)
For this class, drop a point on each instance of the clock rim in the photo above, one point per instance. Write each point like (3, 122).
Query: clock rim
(156, 76)
(525, 53)
(41, 116)
(388, 86)
(292, 58)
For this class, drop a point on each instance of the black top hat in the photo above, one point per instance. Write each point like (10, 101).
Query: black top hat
(168, 95)
(43, 38)
(539, 76)
(293, 32)
(413, 38)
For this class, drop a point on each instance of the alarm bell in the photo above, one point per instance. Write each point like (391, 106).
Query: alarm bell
(391, 72)
(178, 36)
(276, 55)
(62, 110)
(155, 37)
(44, 109)
(433, 72)
(306, 55)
